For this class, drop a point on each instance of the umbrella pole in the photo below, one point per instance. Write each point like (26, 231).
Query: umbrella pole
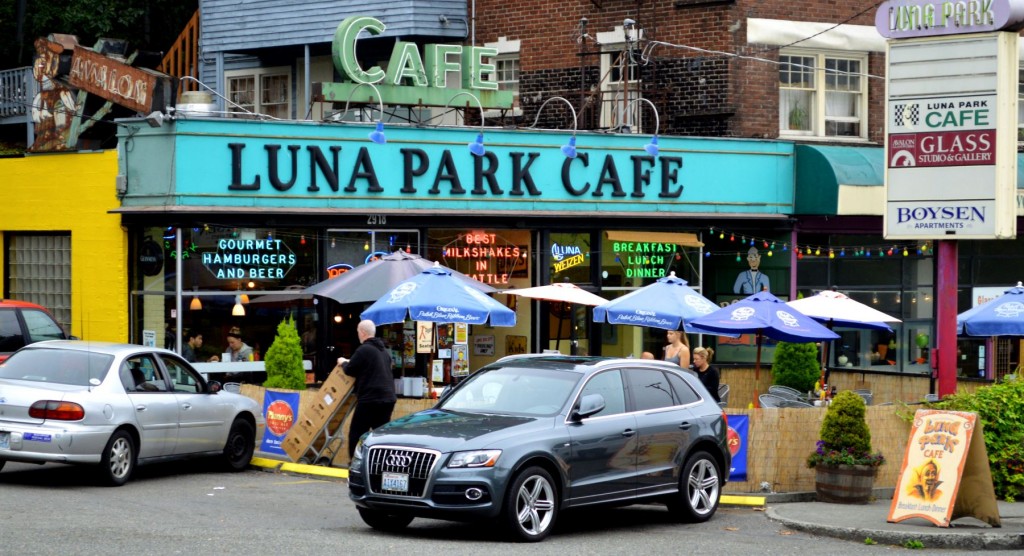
(757, 370)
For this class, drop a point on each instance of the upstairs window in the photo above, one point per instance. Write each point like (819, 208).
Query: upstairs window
(822, 95)
(261, 91)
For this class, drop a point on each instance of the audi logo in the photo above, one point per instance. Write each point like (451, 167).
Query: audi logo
(398, 460)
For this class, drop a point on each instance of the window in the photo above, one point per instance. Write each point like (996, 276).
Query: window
(260, 90)
(38, 267)
(507, 75)
(620, 86)
(822, 95)
(649, 389)
(609, 385)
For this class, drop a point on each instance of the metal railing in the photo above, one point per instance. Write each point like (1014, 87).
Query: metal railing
(17, 88)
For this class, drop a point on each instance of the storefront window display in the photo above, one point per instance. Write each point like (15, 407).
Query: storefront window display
(222, 270)
(633, 259)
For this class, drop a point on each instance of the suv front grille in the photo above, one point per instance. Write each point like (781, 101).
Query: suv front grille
(418, 464)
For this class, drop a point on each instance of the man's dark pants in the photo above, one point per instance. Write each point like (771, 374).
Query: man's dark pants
(367, 415)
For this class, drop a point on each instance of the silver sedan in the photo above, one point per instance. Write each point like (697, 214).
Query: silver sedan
(116, 406)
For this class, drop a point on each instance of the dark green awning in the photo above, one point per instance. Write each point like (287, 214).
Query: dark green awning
(822, 170)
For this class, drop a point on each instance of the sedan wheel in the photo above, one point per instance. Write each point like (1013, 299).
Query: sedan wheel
(240, 446)
(118, 460)
(531, 506)
(700, 489)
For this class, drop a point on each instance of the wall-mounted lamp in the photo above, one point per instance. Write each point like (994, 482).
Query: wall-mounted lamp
(652, 147)
(238, 310)
(477, 145)
(569, 149)
(377, 135)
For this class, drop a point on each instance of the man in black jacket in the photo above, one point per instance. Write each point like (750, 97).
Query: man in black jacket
(375, 385)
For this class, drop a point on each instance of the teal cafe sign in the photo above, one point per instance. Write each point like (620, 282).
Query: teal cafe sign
(412, 78)
(246, 164)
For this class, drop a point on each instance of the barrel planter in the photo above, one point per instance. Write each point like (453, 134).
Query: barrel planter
(845, 484)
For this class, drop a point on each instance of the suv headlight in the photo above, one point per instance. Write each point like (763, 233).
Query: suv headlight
(475, 458)
(356, 464)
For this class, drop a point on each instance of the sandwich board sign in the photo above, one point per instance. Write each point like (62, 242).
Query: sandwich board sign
(945, 473)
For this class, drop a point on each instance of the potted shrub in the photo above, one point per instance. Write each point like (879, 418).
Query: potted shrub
(796, 365)
(844, 465)
(284, 359)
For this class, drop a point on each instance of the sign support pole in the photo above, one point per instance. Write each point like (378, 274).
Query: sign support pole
(946, 277)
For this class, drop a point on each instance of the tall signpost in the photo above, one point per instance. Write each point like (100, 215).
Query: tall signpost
(951, 136)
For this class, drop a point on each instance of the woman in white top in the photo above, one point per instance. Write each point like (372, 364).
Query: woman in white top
(678, 349)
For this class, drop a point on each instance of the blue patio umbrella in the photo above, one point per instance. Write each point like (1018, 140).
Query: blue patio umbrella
(437, 295)
(667, 304)
(764, 314)
(1002, 316)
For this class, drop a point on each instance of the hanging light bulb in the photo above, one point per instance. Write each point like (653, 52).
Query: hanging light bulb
(765, 245)
(785, 247)
(842, 252)
(770, 253)
(817, 251)
(738, 257)
(799, 254)
(244, 298)
(732, 237)
(721, 235)
(707, 254)
(238, 310)
(905, 252)
(302, 240)
(196, 304)
(206, 227)
(332, 243)
(366, 246)
(808, 249)
(831, 254)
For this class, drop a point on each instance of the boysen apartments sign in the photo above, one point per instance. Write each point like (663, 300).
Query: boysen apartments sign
(951, 118)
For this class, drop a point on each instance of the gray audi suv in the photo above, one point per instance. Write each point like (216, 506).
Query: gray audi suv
(527, 437)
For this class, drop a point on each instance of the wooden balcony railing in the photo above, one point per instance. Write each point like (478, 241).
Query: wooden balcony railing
(183, 57)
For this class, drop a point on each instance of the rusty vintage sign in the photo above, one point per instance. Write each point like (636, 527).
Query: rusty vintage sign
(135, 88)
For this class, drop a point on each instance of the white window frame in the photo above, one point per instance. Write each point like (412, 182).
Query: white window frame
(817, 128)
(258, 74)
(508, 50)
(613, 92)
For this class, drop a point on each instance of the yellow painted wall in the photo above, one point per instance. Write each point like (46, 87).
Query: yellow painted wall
(74, 193)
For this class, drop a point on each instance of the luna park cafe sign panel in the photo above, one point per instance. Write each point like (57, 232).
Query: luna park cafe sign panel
(902, 19)
(249, 259)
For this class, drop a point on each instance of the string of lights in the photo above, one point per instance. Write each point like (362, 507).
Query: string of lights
(731, 243)
(718, 242)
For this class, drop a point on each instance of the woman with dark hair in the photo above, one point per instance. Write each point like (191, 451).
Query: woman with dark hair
(707, 374)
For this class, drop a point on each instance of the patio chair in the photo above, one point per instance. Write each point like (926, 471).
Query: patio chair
(723, 394)
(786, 392)
(770, 400)
(232, 387)
(795, 403)
(866, 395)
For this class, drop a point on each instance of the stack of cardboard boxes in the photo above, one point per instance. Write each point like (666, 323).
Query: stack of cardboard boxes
(316, 436)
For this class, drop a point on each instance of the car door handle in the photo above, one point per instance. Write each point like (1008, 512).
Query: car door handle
(685, 425)
(186, 406)
(628, 432)
(140, 407)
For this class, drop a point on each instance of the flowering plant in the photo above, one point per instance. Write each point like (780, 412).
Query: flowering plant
(830, 457)
(845, 436)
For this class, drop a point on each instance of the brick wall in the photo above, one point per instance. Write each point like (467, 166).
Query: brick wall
(697, 90)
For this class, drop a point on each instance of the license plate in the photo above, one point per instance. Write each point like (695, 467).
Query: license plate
(5, 441)
(395, 482)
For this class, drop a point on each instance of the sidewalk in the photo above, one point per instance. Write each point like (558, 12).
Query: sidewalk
(857, 522)
(800, 511)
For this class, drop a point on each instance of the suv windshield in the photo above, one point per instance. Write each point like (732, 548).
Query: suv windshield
(60, 366)
(519, 390)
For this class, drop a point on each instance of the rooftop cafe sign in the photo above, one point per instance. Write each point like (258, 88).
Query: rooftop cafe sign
(412, 78)
(901, 19)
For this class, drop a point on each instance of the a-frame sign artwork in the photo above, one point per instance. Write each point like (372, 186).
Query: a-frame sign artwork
(945, 473)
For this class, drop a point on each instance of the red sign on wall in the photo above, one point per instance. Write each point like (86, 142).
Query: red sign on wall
(943, 148)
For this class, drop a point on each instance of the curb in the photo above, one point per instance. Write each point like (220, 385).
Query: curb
(967, 540)
(279, 466)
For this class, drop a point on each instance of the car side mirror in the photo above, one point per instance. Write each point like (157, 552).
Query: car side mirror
(590, 404)
(214, 387)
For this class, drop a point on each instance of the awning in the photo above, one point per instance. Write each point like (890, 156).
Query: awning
(839, 180)
(678, 238)
(850, 181)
